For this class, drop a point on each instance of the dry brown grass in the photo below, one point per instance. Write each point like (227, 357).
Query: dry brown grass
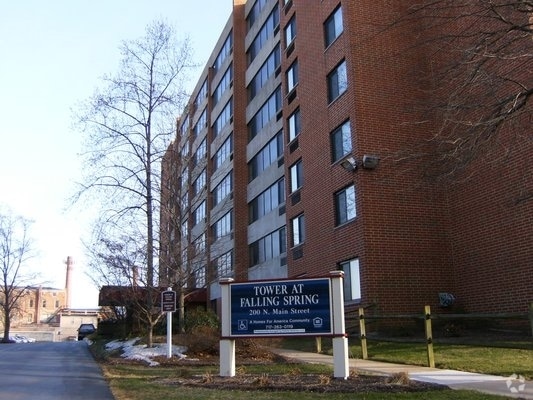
(399, 378)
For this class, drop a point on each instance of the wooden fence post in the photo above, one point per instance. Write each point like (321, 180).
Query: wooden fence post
(429, 336)
(362, 332)
(318, 343)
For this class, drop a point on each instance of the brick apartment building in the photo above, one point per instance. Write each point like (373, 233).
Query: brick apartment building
(297, 155)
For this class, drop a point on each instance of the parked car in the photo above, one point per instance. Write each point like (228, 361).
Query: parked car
(18, 339)
(85, 330)
(23, 339)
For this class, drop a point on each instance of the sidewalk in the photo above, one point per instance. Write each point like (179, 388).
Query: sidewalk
(490, 384)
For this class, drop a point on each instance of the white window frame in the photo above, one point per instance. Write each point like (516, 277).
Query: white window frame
(298, 230)
(294, 124)
(352, 279)
(337, 81)
(290, 31)
(200, 212)
(342, 147)
(346, 199)
(292, 76)
(296, 171)
(335, 21)
(224, 225)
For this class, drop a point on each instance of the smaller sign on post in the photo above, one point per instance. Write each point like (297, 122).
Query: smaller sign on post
(168, 305)
(168, 301)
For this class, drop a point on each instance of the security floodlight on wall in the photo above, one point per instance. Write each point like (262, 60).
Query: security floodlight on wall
(349, 163)
(370, 162)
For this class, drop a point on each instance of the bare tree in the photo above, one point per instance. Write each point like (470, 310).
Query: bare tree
(115, 265)
(111, 266)
(182, 267)
(481, 79)
(16, 249)
(129, 123)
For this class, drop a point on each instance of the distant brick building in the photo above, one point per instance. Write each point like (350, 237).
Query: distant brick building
(40, 305)
(45, 313)
(289, 162)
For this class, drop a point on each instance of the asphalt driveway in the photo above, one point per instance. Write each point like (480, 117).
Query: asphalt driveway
(46, 370)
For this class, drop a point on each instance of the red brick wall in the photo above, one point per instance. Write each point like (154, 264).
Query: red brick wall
(415, 235)
(492, 232)
(490, 201)
(240, 140)
(398, 235)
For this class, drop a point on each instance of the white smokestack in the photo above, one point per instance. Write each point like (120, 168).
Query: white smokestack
(68, 284)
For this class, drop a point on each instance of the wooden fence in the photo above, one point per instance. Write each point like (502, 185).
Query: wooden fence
(427, 317)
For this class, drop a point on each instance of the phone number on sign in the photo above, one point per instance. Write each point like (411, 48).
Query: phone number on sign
(279, 326)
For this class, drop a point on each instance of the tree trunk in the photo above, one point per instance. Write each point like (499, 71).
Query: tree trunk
(181, 311)
(7, 325)
(150, 338)
(149, 232)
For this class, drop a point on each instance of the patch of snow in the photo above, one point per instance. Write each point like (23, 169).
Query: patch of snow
(132, 351)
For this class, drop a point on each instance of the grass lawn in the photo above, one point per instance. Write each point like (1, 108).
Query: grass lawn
(500, 358)
(139, 382)
(488, 360)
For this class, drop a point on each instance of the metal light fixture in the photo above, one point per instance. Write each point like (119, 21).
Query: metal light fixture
(370, 162)
(349, 163)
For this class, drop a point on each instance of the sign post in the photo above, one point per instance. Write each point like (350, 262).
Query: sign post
(341, 365)
(227, 344)
(168, 305)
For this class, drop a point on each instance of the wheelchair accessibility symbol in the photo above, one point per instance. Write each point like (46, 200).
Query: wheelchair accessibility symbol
(242, 325)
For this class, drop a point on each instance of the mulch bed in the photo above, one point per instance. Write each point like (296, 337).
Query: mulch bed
(301, 383)
(293, 382)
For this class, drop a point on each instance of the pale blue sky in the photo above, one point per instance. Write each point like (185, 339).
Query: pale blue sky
(52, 54)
